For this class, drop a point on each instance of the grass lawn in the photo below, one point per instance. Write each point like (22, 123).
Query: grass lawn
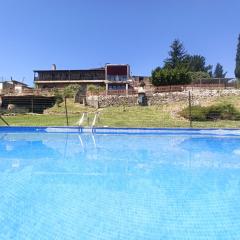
(151, 116)
(39, 120)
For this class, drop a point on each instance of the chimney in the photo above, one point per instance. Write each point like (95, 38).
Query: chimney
(54, 67)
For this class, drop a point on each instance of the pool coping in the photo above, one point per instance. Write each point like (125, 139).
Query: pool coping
(122, 130)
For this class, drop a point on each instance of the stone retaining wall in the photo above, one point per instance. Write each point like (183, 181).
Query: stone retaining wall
(198, 96)
(111, 101)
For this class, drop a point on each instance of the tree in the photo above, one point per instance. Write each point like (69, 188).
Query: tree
(71, 90)
(237, 69)
(197, 76)
(177, 56)
(180, 67)
(93, 89)
(197, 63)
(166, 76)
(68, 92)
(218, 72)
(58, 97)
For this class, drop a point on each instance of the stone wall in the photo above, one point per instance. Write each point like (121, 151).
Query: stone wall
(198, 96)
(111, 101)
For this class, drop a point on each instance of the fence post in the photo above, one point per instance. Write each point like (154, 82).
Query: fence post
(190, 108)
(66, 111)
(32, 104)
(4, 120)
(88, 120)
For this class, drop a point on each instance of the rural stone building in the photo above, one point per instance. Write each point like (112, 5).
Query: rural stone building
(112, 76)
(13, 86)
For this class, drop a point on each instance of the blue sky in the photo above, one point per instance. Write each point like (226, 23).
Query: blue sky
(76, 34)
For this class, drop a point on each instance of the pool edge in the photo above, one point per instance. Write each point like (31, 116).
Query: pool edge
(122, 130)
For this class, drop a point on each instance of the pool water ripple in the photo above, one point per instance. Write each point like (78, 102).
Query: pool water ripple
(83, 186)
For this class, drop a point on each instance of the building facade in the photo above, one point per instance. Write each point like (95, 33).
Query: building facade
(13, 86)
(112, 76)
(5, 86)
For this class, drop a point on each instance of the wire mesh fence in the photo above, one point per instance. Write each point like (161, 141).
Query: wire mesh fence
(216, 108)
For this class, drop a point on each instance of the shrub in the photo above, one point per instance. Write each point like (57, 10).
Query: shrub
(224, 112)
(214, 112)
(198, 113)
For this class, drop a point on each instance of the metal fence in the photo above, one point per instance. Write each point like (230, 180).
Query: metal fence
(132, 89)
(188, 111)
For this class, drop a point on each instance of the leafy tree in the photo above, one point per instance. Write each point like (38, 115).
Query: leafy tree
(177, 56)
(196, 76)
(71, 90)
(237, 69)
(167, 76)
(210, 74)
(93, 89)
(218, 72)
(197, 63)
(68, 92)
(58, 97)
(180, 67)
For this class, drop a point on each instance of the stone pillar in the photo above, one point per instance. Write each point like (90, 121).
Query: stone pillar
(126, 89)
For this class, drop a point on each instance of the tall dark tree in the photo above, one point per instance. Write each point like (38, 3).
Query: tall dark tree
(177, 56)
(218, 72)
(197, 63)
(180, 67)
(237, 69)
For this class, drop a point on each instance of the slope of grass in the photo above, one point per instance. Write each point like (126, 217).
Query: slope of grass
(151, 116)
(139, 117)
(73, 108)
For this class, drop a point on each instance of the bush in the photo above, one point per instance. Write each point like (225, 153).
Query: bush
(198, 113)
(214, 112)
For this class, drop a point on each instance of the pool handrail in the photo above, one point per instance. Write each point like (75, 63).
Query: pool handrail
(80, 122)
(95, 119)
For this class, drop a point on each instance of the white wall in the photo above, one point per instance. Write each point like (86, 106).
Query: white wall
(18, 88)
(1, 87)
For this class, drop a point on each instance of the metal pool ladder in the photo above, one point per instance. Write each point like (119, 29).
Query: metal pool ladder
(85, 116)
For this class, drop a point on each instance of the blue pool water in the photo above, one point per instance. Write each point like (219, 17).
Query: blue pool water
(119, 186)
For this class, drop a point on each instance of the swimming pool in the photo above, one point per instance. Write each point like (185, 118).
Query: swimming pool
(66, 183)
